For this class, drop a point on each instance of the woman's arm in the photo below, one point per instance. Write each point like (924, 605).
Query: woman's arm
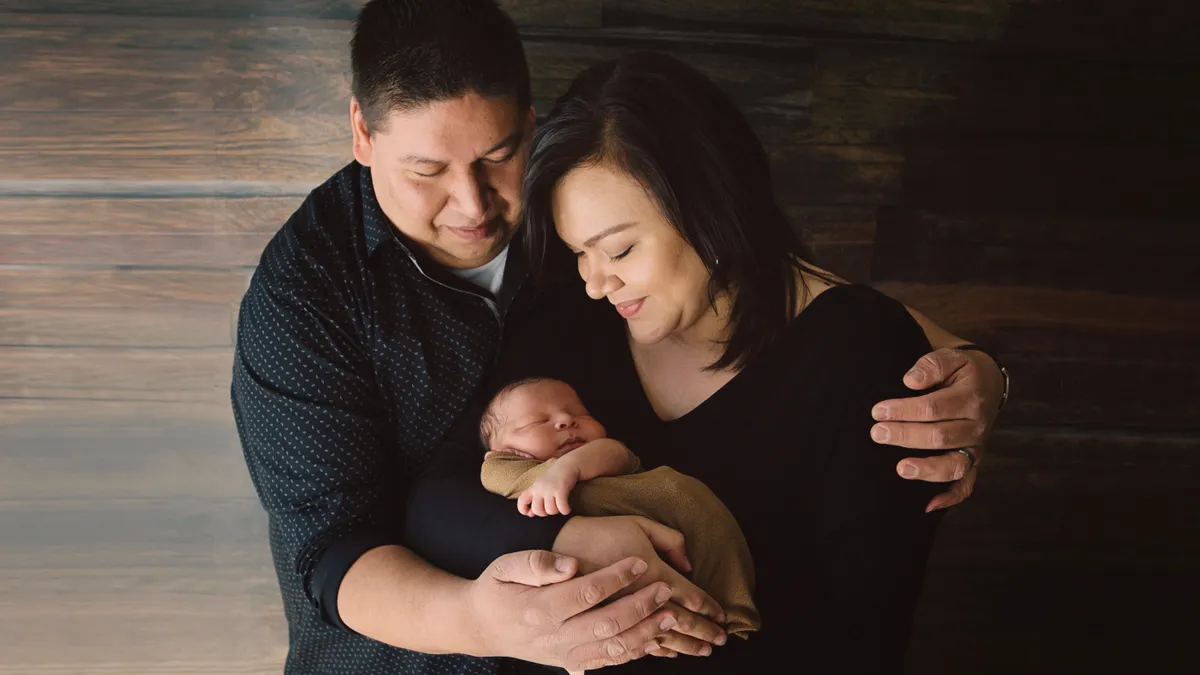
(874, 534)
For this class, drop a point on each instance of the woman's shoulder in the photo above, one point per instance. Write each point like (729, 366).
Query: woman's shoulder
(862, 324)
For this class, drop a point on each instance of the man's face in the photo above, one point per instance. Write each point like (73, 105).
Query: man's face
(448, 174)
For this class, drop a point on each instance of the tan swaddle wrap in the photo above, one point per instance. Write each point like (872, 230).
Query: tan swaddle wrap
(716, 547)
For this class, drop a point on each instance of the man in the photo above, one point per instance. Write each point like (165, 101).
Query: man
(370, 323)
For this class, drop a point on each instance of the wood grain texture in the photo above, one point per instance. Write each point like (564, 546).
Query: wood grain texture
(967, 20)
(1131, 254)
(149, 289)
(1057, 516)
(578, 13)
(189, 327)
(126, 374)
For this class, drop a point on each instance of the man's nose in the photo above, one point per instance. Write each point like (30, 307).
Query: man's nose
(470, 193)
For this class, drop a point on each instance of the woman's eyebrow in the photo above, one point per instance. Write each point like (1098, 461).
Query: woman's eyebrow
(608, 232)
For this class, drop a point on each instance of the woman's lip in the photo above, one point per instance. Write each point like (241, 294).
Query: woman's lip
(631, 308)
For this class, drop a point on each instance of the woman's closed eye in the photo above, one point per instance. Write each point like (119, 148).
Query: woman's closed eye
(613, 258)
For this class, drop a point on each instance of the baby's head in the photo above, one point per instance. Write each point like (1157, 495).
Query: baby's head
(538, 418)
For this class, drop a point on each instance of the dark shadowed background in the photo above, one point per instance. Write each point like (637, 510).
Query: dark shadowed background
(1024, 171)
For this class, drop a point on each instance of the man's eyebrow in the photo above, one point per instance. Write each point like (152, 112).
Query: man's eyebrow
(508, 142)
(610, 231)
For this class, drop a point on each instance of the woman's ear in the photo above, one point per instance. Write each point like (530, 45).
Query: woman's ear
(362, 134)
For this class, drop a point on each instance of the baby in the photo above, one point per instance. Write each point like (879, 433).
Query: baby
(548, 453)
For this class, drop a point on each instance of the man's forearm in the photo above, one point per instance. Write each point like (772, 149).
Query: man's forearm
(393, 596)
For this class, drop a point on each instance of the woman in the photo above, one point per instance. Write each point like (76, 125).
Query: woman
(721, 352)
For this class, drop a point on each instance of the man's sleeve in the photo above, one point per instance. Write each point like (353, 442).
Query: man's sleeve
(456, 524)
(310, 418)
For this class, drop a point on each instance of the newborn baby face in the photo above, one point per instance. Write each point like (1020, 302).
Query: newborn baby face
(544, 420)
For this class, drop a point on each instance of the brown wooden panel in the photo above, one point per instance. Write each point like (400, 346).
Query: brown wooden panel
(132, 327)
(1098, 177)
(124, 374)
(1136, 254)
(303, 66)
(1079, 357)
(888, 88)
(112, 146)
(133, 216)
(1071, 541)
(301, 150)
(525, 12)
(55, 62)
(76, 450)
(964, 20)
(142, 621)
(293, 147)
(94, 289)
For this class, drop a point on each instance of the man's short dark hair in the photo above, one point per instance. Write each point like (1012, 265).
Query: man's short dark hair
(671, 128)
(408, 53)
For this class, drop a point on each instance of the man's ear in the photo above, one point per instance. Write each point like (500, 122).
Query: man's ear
(363, 148)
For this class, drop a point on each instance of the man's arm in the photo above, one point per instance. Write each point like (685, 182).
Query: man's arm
(315, 435)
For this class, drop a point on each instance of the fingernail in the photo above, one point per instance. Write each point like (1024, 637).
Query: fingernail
(720, 639)
(652, 647)
(562, 563)
(663, 595)
(880, 433)
(705, 650)
(908, 470)
(640, 567)
(668, 623)
(721, 617)
(880, 412)
(916, 375)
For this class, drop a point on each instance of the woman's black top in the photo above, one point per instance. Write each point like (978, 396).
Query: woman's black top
(839, 541)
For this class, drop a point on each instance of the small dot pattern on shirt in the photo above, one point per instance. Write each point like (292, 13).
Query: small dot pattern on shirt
(351, 366)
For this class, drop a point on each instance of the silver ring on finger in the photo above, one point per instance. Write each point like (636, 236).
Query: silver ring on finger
(971, 458)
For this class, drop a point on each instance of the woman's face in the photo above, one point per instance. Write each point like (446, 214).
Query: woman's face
(629, 254)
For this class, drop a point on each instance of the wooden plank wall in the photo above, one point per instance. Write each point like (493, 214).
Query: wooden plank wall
(1020, 170)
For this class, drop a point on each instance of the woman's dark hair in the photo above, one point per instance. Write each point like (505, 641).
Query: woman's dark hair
(406, 53)
(684, 140)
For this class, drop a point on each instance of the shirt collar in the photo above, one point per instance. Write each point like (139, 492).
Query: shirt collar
(378, 229)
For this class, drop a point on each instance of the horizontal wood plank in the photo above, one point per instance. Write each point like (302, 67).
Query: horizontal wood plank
(128, 63)
(1134, 254)
(116, 373)
(531, 12)
(1058, 514)
(209, 326)
(97, 451)
(95, 289)
(966, 20)
(1062, 176)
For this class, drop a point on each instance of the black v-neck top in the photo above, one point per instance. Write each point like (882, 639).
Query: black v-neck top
(839, 541)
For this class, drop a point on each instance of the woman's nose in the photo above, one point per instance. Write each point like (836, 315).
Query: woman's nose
(599, 283)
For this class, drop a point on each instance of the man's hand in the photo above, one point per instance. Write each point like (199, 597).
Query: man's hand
(599, 541)
(958, 413)
(548, 496)
(527, 606)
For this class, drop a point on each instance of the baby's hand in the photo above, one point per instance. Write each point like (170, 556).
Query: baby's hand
(548, 494)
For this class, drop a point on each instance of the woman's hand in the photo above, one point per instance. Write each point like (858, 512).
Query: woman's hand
(958, 413)
(598, 541)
